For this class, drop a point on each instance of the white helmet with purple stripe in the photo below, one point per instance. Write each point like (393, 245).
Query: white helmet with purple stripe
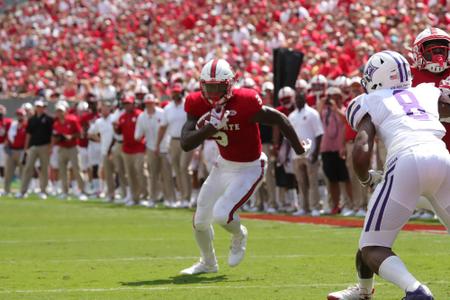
(386, 70)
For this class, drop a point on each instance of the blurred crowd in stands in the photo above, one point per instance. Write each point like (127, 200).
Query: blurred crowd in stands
(105, 59)
(67, 48)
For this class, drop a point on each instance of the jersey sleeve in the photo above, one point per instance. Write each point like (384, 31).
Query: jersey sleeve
(191, 106)
(254, 103)
(356, 110)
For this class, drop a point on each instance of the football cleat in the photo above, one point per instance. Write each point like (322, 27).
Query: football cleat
(354, 292)
(200, 268)
(421, 293)
(237, 249)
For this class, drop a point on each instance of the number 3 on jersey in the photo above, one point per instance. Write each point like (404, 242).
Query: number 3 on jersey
(221, 138)
(410, 105)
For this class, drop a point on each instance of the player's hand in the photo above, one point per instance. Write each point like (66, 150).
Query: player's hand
(219, 117)
(375, 177)
(343, 153)
(306, 144)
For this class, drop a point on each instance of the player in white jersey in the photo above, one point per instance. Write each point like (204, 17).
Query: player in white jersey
(418, 164)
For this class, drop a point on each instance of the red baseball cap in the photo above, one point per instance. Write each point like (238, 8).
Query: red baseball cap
(177, 87)
(128, 99)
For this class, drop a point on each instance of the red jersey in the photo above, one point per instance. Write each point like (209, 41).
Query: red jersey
(5, 123)
(86, 120)
(127, 125)
(70, 126)
(421, 76)
(239, 140)
(17, 141)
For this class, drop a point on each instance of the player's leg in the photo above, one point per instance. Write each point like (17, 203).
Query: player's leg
(186, 180)
(388, 213)
(241, 183)
(210, 191)
(28, 170)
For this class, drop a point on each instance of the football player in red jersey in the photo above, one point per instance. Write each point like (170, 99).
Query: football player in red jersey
(232, 116)
(5, 123)
(432, 61)
(431, 64)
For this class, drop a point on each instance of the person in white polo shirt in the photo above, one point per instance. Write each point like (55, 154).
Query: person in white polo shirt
(307, 124)
(148, 124)
(176, 117)
(103, 128)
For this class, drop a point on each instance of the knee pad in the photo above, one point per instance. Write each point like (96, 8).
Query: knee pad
(201, 226)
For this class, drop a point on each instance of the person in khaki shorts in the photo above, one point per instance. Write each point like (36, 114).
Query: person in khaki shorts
(66, 131)
(307, 124)
(132, 150)
(148, 124)
(116, 154)
(180, 160)
(14, 145)
(37, 146)
(103, 128)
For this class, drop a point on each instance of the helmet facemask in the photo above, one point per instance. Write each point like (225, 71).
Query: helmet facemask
(216, 92)
(432, 55)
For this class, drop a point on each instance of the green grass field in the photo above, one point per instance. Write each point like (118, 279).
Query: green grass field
(70, 250)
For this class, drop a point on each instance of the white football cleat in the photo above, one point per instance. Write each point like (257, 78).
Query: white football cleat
(199, 268)
(237, 249)
(352, 293)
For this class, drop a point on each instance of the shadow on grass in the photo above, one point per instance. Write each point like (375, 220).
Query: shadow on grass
(180, 279)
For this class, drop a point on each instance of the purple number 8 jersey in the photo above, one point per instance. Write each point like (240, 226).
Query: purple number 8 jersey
(402, 118)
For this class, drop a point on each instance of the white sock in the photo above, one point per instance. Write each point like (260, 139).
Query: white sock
(366, 283)
(394, 270)
(234, 227)
(204, 240)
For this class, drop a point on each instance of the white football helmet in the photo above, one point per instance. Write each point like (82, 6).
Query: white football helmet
(301, 84)
(248, 83)
(82, 106)
(318, 84)
(435, 58)
(286, 96)
(267, 86)
(386, 70)
(217, 81)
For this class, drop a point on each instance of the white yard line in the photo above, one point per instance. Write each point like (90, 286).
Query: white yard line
(170, 258)
(186, 287)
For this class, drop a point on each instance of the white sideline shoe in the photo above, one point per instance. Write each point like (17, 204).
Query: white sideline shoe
(199, 268)
(315, 213)
(299, 213)
(237, 249)
(352, 293)
(271, 210)
(82, 197)
(42, 196)
(347, 212)
(361, 213)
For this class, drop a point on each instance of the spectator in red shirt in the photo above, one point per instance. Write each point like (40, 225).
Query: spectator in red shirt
(4, 126)
(14, 147)
(66, 131)
(132, 150)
